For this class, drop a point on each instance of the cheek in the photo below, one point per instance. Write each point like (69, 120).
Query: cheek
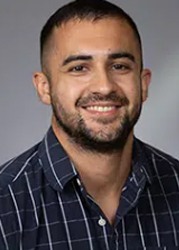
(133, 92)
(66, 94)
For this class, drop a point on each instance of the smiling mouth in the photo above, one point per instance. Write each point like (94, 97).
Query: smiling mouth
(101, 108)
(99, 104)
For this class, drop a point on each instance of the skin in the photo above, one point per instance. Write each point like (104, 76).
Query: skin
(77, 88)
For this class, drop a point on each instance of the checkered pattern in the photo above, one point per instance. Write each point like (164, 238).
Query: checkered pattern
(43, 205)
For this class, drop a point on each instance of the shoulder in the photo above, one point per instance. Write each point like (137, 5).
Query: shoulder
(159, 162)
(160, 155)
(163, 174)
(14, 168)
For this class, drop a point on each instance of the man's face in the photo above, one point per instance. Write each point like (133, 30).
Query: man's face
(96, 83)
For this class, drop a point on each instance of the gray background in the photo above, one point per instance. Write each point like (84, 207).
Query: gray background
(24, 120)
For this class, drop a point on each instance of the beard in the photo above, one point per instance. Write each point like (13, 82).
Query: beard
(87, 138)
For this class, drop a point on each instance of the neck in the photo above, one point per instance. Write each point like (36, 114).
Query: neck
(103, 175)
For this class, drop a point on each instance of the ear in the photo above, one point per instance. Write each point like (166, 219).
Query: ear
(145, 81)
(42, 87)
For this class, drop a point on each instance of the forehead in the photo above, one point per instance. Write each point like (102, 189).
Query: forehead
(94, 37)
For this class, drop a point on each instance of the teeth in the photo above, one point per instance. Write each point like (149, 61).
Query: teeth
(100, 108)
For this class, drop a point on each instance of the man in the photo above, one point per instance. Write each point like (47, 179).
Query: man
(90, 184)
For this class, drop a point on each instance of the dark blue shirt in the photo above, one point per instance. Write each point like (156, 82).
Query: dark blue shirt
(44, 206)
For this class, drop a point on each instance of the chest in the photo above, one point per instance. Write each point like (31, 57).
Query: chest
(72, 221)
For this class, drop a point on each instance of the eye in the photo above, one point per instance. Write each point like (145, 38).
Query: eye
(121, 67)
(78, 68)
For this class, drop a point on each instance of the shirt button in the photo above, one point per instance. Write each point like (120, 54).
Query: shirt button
(78, 181)
(124, 189)
(102, 222)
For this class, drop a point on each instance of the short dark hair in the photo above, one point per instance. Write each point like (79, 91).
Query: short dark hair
(85, 9)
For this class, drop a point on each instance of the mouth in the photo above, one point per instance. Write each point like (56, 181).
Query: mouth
(102, 105)
(102, 109)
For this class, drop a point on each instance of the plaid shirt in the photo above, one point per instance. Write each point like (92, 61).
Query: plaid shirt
(44, 206)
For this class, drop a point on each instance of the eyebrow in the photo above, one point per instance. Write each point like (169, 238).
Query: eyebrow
(122, 55)
(119, 55)
(76, 58)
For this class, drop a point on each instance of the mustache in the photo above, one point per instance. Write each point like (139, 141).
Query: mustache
(96, 97)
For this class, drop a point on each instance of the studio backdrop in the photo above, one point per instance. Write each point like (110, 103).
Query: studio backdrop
(24, 120)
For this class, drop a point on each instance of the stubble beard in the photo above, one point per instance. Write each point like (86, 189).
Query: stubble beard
(86, 138)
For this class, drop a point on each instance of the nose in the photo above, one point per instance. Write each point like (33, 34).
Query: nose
(103, 82)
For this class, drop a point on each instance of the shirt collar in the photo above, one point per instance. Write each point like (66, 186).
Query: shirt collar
(55, 162)
(59, 170)
(141, 160)
(139, 177)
